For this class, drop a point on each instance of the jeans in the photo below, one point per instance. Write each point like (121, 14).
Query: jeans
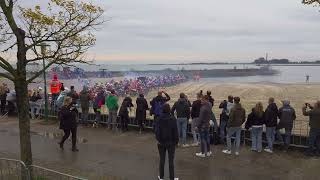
(215, 123)
(230, 132)
(35, 108)
(182, 129)
(270, 133)
(67, 132)
(313, 135)
(223, 125)
(195, 134)
(85, 114)
(256, 137)
(162, 152)
(112, 118)
(98, 115)
(287, 135)
(205, 141)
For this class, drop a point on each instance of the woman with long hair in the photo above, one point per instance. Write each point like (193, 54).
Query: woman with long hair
(255, 122)
(68, 122)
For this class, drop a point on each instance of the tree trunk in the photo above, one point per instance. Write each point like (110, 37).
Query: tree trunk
(21, 88)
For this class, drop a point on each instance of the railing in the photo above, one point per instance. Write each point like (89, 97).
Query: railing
(299, 132)
(11, 169)
(41, 173)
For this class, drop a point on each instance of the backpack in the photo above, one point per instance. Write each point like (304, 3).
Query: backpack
(158, 106)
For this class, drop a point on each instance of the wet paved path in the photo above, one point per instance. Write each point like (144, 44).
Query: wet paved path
(134, 156)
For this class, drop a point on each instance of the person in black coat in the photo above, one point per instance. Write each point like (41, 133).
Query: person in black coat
(255, 122)
(142, 107)
(68, 122)
(167, 137)
(4, 90)
(124, 113)
(271, 121)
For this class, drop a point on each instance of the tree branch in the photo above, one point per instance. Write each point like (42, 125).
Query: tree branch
(7, 66)
(7, 76)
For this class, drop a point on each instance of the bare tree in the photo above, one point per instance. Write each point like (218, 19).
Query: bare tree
(311, 2)
(63, 25)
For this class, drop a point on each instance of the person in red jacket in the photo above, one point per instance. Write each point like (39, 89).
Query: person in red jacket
(55, 86)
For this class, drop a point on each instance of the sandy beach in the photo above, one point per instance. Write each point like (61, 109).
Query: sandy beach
(251, 93)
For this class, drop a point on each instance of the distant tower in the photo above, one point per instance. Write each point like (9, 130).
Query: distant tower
(266, 56)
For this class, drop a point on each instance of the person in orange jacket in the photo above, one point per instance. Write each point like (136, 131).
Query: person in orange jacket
(55, 86)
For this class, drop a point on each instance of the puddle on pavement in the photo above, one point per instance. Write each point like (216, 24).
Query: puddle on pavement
(57, 135)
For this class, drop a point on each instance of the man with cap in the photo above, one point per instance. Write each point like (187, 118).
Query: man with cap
(286, 115)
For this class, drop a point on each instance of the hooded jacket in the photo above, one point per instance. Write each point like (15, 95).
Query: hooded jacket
(112, 102)
(127, 103)
(254, 120)
(195, 110)
(99, 100)
(286, 115)
(158, 99)
(182, 107)
(84, 99)
(271, 115)
(167, 130)
(205, 116)
(237, 116)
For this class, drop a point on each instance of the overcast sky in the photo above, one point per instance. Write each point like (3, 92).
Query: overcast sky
(207, 30)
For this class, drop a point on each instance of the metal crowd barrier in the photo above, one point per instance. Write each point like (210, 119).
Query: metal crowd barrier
(299, 133)
(11, 169)
(41, 173)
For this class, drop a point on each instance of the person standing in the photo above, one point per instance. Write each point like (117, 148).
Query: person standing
(167, 137)
(112, 105)
(203, 126)
(182, 108)
(195, 112)
(213, 120)
(68, 122)
(73, 94)
(84, 101)
(55, 86)
(4, 90)
(141, 114)
(255, 123)
(314, 123)
(157, 105)
(98, 102)
(226, 106)
(124, 113)
(271, 120)
(286, 115)
(236, 118)
(34, 104)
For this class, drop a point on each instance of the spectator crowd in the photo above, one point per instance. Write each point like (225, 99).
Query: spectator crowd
(170, 124)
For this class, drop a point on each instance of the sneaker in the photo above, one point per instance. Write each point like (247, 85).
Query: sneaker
(75, 150)
(200, 155)
(185, 145)
(236, 153)
(159, 178)
(226, 151)
(209, 154)
(176, 178)
(268, 150)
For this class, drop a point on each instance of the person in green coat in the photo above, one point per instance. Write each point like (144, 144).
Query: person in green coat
(112, 105)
